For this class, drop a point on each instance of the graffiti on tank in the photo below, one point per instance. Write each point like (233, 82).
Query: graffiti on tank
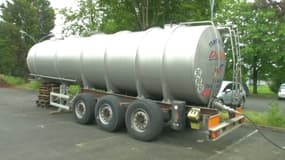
(220, 69)
(206, 92)
(214, 42)
(214, 55)
(198, 80)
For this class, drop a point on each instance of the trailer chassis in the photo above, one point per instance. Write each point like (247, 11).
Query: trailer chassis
(176, 114)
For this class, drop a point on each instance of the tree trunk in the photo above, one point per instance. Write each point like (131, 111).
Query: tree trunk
(255, 74)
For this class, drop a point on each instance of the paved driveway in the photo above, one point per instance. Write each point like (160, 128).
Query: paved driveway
(28, 132)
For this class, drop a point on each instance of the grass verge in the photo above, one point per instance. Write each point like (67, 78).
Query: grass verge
(21, 82)
(33, 84)
(273, 117)
(263, 91)
(15, 81)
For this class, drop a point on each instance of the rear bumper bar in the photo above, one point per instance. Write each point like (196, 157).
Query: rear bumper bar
(225, 128)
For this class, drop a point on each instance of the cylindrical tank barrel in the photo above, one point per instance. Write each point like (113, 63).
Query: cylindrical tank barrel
(177, 63)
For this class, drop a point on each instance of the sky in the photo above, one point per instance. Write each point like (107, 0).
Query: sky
(59, 21)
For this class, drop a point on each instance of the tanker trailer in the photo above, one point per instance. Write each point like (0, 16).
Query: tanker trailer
(145, 80)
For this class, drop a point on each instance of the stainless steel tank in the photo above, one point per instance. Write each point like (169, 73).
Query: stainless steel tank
(175, 63)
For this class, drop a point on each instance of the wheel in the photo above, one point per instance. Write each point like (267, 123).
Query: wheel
(144, 120)
(109, 114)
(83, 108)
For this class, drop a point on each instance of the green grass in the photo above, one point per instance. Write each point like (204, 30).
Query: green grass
(273, 117)
(14, 80)
(263, 91)
(260, 118)
(21, 82)
(34, 85)
(268, 118)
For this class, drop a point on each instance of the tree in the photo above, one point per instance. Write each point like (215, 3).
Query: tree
(9, 35)
(261, 33)
(82, 21)
(111, 16)
(23, 23)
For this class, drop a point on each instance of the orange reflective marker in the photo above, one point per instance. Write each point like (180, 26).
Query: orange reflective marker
(214, 120)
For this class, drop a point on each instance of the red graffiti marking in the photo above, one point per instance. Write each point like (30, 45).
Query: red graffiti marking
(206, 92)
(214, 55)
(219, 70)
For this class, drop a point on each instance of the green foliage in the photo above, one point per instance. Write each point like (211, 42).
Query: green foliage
(73, 89)
(82, 21)
(262, 33)
(274, 116)
(21, 82)
(33, 85)
(9, 38)
(263, 91)
(14, 80)
(110, 16)
(23, 23)
(276, 81)
(257, 117)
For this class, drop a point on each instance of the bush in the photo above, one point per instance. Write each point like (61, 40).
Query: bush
(34, 85)
(14, 80)
(276, 80)
(21, 82)
(73, 89)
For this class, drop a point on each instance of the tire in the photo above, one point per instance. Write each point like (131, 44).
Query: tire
(83, 108)
(148, 113)
(109, 114)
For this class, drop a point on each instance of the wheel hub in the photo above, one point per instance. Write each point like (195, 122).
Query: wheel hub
(105, 114)
(80, 110)
(140, 120)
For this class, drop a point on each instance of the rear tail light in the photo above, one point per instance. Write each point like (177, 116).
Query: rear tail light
(214, 135)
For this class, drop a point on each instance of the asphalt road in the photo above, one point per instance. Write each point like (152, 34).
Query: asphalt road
(28, 132)
(262, 104)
